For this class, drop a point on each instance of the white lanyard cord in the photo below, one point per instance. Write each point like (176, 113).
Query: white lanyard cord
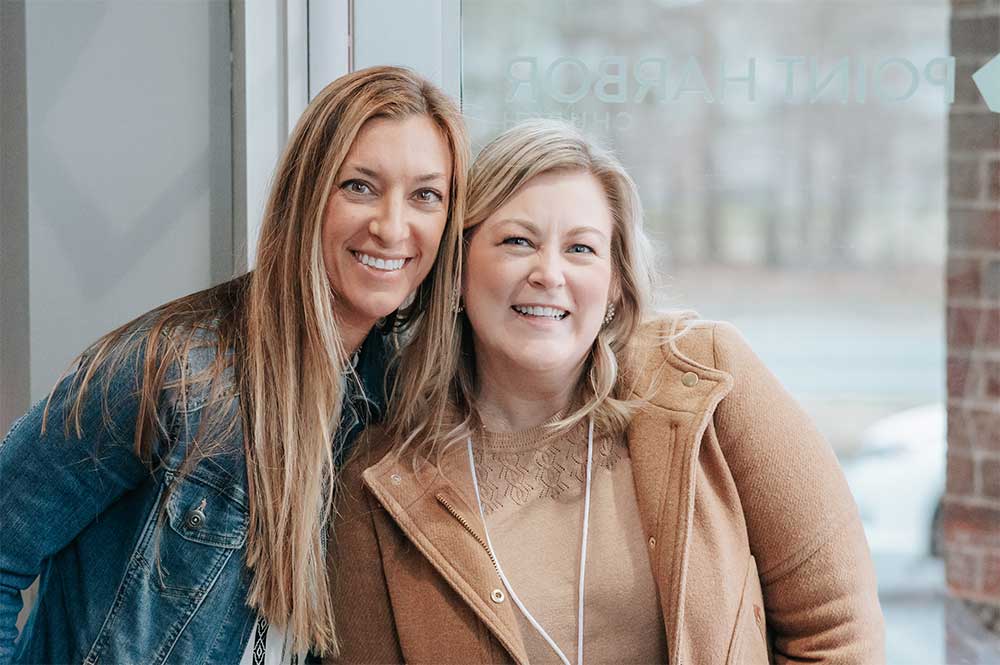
(583, 554)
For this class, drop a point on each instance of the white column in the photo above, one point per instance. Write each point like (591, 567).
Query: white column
(329, 42)
(425, 35)
(282, 50)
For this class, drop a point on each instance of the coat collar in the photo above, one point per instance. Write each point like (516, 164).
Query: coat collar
(664, 439)
(436, 509)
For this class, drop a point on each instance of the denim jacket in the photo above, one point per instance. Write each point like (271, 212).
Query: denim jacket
(84, 515)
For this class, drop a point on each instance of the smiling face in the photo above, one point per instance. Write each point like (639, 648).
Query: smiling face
(384, 217)
(538, 275)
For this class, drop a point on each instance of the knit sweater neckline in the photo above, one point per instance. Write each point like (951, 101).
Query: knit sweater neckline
(525, 439)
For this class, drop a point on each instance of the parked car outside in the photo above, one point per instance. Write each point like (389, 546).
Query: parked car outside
(897, 476)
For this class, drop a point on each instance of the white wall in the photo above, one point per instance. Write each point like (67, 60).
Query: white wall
(129, 143)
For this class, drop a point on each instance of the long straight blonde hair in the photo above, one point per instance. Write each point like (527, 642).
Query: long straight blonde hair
(422, 412)
(276, 336)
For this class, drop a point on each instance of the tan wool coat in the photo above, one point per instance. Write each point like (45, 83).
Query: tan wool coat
(754, 539)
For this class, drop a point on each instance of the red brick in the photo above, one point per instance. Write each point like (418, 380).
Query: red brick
(962, 324)
(989, 474)
(958, 377)
(962, 571)
(993, 180)
(973, 327)
(989, 279)
(963, 278)
(990, 327)
(974, 229)
(961, 475)
(986, 431)
(967, 94)
(991, 575)
(990, 371)
(959, 426)
(984, 7)
(971, 525)
(973, 429)
(973, 131)
(963, 179)
(978, 35)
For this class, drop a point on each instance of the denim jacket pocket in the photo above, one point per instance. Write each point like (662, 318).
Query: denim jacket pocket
(203, 527)
(185, 551)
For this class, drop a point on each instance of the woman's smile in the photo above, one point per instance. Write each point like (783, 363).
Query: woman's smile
(540, 314)
(379, 265)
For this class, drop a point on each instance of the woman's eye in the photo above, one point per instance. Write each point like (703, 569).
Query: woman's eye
(429, 196)
(357, 187)
(517, 241)
(581, 249)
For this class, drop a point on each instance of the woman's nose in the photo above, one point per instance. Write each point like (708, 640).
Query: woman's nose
(547, 273)
(390, 225)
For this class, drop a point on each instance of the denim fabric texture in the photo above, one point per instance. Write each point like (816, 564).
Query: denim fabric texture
(118, 583)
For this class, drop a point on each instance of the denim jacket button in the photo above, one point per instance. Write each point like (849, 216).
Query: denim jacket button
(196, 518)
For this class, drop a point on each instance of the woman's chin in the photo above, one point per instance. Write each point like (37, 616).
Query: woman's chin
(368, 313)
(537, 360)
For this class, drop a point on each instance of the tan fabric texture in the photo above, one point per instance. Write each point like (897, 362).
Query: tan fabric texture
(754, 540)
(533, 490)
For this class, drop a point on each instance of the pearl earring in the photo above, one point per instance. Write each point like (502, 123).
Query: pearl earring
(610, 315)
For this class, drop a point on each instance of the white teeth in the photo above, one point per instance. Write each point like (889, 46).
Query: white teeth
(547, 312)
(387, 265)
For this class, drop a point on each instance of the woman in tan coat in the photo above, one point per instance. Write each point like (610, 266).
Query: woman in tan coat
(587, 483)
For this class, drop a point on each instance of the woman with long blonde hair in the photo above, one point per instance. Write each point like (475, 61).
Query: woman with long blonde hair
(174, 491)
(599, 483)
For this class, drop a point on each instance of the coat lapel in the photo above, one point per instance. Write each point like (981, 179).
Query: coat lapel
(441, 522)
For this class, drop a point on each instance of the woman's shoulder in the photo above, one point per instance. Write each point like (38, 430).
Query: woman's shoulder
(185, 364)
(373, 444)
(685, 336)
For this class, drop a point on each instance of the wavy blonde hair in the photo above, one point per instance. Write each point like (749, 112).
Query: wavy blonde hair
(280, 319)
(530, 149)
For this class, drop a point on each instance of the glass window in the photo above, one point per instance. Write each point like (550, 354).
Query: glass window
(792, 163)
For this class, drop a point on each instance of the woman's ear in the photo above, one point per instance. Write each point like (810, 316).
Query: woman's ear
(467, 236)
(463, 279)
(615, 292)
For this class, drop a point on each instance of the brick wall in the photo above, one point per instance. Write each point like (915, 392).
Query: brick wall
(972, 502)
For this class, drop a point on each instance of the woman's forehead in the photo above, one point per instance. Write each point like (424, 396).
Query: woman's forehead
(414, 146)
(563, 202)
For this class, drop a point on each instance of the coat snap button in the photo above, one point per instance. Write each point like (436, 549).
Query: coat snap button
(196, 518)
(689, 379)
(497, 596)
(652, 542)
(396, 479)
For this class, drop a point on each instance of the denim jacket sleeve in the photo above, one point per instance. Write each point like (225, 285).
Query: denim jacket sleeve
(55, 484)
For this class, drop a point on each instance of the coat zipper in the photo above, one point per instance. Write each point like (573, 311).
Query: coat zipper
(465, 523)
(506, 643)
